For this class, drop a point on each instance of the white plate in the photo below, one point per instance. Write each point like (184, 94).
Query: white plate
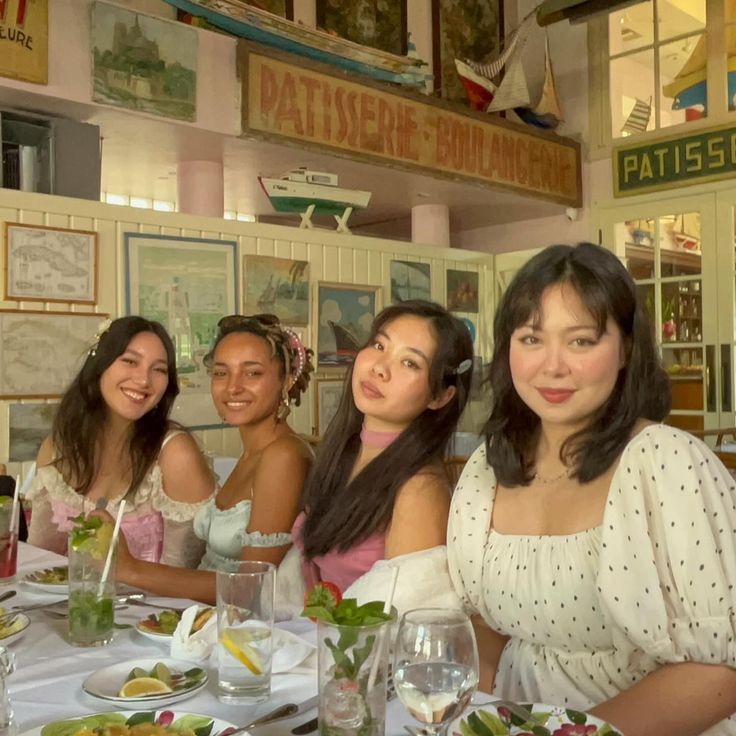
(217, 723)
(105, 684)
(551, 717)
(164, 639)
(19, 628)
(32, 581)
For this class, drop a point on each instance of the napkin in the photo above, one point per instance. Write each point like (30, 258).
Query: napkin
(289, 650)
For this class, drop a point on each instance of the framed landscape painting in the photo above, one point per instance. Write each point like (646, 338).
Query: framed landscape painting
(410, 280)
(29, 425)
(50, 264)
(345, 313)
(277, 286)
(462, 291)
(187, 284)
(41, 352)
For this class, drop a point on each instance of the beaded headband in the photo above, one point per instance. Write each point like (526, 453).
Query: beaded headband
(300, 352)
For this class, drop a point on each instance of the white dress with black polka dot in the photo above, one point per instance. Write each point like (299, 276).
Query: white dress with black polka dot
(591, 613)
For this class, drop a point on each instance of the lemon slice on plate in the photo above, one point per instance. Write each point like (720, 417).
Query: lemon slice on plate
(142, 686)
(241, 650)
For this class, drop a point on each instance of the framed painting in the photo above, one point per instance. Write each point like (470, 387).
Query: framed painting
(410, 280)
(187, 284)
(463, 29)
(462, 291)
(380, 24)
(327, 399)
(284, 8)
(28, 426)
(41, 352)
(24, 40)
(162, 55)
(50, 264)
(276, 285)
(345, 313)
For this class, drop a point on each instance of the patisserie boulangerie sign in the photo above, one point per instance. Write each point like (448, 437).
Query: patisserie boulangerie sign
(289, 99)
(24, 31)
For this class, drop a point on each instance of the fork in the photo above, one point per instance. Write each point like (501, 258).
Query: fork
(137, 602)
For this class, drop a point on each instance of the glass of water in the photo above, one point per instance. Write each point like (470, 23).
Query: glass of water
(435, 666)
(245, 602)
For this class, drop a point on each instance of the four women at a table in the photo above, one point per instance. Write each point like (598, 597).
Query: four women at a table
(596, 546)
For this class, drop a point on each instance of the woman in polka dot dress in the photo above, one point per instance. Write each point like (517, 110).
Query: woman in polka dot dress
(595, 546)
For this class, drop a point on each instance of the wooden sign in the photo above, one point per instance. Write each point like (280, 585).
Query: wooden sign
(675, 161)
(24, 34)
(287, 99)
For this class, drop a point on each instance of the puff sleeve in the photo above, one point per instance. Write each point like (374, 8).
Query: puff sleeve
(668, 552)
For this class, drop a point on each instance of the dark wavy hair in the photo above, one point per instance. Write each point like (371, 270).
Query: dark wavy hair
(79, 421)
(342, 512)
(269, 328)
(642, 388)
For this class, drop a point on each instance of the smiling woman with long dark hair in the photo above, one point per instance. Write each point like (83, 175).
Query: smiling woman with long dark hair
(112, 439)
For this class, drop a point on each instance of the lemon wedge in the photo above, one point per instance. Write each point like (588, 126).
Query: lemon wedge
(242, 651)
(141, 686)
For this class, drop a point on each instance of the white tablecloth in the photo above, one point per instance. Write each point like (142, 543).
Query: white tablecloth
(47, 683)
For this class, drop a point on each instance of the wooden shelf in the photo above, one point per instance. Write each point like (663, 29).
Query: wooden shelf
(673, 257)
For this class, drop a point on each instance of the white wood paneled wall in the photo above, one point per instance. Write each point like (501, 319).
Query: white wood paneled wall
(332, 257)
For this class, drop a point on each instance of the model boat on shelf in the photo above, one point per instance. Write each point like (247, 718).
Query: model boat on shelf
(246, 21)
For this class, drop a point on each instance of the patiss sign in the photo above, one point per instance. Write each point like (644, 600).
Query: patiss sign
(24, 31)
(672, 162)
(298, 102)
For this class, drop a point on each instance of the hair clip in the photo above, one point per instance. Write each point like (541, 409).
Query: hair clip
(300, 353)
(466, 365)
(102, 328)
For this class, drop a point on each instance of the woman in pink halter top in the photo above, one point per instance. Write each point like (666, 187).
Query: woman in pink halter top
(378, 487)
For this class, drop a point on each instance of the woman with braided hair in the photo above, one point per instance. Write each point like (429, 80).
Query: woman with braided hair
(258, 369)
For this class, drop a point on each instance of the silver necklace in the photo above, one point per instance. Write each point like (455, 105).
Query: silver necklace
(549, 481)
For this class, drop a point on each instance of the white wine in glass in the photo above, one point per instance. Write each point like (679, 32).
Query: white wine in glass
(435, 666)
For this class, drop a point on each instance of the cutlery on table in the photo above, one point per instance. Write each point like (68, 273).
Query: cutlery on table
(7, 594)
(135, 600)
(514, 708)
(283, 711)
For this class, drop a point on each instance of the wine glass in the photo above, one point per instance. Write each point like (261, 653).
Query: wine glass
(435, 666)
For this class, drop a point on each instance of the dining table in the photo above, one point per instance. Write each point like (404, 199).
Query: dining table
(47, 682)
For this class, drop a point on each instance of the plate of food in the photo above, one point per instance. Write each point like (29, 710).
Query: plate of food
(500, 721)
(147, 683)
(169, 723)
(49, 580)
(19, 622)
(160, 626)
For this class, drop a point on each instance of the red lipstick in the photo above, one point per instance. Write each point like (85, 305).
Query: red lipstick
(555, 395)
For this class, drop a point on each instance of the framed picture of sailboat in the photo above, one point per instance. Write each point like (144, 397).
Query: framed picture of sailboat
(345, 313)
(278, 286)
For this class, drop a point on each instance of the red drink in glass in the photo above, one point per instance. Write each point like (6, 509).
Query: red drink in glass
(8, 541)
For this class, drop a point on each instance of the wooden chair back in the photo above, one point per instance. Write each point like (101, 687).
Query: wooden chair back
(727, 458)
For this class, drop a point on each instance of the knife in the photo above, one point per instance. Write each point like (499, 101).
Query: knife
(306, 727)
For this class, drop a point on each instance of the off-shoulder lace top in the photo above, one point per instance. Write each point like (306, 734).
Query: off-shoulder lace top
(157, 528)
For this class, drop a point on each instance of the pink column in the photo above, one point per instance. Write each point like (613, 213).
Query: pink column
(200, 186)
(430, 224)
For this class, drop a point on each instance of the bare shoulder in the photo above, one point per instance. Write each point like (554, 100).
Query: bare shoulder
(180, 448)
(45, 453)
(430, 484)
(286, 449)
(186, 475)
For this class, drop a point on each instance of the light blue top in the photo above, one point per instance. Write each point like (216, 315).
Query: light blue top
(225, 532)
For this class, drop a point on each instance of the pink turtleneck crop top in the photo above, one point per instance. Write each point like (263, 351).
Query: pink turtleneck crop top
(341, 568)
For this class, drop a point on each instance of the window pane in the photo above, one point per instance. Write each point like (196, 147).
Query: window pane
(679, 242)
(639, 249)
(677, 17)
(632, 90)
(684, 87)
(631, 28)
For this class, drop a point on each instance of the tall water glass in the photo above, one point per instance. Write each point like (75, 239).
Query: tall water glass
(435, 666)
(245, 603)
(8, 539)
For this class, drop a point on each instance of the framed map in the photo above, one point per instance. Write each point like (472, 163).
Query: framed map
(410, 280)
(186, 284)
(29, 425)
(50, 264)
(40, 352)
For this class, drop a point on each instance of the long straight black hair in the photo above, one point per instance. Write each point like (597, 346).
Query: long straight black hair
(341, 513)
(81, 416)
(642, 389)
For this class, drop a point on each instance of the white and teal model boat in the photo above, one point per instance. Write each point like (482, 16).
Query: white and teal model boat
(310, 192)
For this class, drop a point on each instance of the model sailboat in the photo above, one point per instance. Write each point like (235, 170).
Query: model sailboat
(512, 91)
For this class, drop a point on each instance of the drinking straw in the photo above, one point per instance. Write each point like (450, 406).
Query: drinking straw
(386, 609)
(111, 549)
(14, 508)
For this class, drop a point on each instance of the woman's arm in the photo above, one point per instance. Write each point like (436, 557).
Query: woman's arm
(184, 472)
(277, 491)
(490, 646)
(419, 519)
(681, 699)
